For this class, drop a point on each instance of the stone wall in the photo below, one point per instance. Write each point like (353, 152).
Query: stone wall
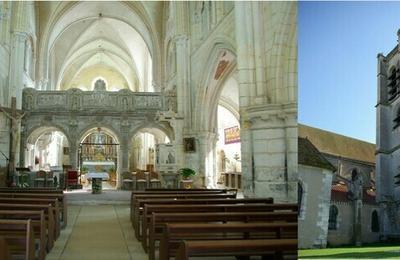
(314, 210)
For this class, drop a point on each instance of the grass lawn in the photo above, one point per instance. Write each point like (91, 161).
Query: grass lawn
(365, 252)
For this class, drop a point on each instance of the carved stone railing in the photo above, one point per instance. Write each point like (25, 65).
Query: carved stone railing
(76, 100)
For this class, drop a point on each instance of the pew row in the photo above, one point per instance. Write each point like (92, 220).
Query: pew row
(158, 220)
(174, 233)
(19, 237)
(243, 247)
(149, 209)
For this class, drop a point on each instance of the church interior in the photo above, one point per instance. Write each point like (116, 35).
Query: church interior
(112, 111)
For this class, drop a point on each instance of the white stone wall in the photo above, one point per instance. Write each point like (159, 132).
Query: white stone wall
(314, 212)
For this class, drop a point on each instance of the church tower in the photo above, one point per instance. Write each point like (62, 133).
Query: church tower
(388, 142)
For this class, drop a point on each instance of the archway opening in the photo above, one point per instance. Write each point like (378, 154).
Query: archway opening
(143, 151)
(228, 146)
(47, 148)
(99, 154)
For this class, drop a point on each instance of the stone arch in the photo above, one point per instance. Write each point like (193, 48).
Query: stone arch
(147, 31)
(105, 127)
(208, 98)
(33, 134)
(167, 130)
(47, 127)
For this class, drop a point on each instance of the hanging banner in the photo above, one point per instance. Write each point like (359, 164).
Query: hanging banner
(232, 135)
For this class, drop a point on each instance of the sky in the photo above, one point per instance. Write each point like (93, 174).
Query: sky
(338, 43)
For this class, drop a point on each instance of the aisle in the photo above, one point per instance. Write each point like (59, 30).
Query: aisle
(98, 232)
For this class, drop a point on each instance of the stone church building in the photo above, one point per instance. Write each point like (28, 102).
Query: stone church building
(337, 191)
(152, 85)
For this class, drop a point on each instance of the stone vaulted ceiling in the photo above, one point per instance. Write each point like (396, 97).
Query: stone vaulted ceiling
(100, 39)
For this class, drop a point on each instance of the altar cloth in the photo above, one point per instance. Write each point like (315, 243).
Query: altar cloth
(97, 175)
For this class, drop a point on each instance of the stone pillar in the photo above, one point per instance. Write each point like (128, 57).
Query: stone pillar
(207, 158)
(16, 67)
(73, 154)
(182, 81)
(268, 118)
(358, 205)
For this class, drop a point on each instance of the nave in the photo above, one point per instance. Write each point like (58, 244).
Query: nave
(153, 224)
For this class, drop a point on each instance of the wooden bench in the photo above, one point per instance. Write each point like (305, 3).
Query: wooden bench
(61, 198)
(159, 219)
(135, 216)
(256, 207)
(243, 247)
(38, 222)
(178, 196)
(139, 204)
(4, 249)
(52, 202)
(174, 233)
(48, 212)
(19, 236)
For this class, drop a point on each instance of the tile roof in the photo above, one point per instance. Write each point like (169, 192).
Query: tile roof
(339, 145)
(309, 155)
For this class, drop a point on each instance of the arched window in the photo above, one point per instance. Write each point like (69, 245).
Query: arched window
(299, 197)
(374, 221)
(333, 213)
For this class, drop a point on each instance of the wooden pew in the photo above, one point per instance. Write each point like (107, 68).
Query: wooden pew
(136, 215)
(174, 233)
(149, 209)
(61, 198)
(4, 249)
(34, 190)
(159, 219)
(179, 196)
(38, 222)
(52, 202)
(48, 212)
(196, 189)
(139, 204)
(243, 247)
(19, 236)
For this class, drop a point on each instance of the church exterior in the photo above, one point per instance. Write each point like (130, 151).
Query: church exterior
(388, 142)
(343, 209)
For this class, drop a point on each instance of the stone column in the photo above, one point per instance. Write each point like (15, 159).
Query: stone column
(207, 158)
(182, 81)
(73, 154)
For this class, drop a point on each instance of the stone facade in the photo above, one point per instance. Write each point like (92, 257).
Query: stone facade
(387, 142)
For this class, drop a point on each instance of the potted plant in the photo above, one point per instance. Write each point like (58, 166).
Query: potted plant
(186, 173)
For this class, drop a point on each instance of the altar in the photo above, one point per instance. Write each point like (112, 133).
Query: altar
(98, 166)
(97, 175)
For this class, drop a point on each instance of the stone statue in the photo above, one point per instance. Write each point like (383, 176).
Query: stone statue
(100, 85)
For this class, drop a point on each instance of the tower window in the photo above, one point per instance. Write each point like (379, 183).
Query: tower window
(393, 83)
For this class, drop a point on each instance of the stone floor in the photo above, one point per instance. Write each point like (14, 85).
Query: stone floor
(98, 228)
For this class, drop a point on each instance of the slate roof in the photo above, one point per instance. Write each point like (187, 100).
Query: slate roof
(309, 155)
(338, 145)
